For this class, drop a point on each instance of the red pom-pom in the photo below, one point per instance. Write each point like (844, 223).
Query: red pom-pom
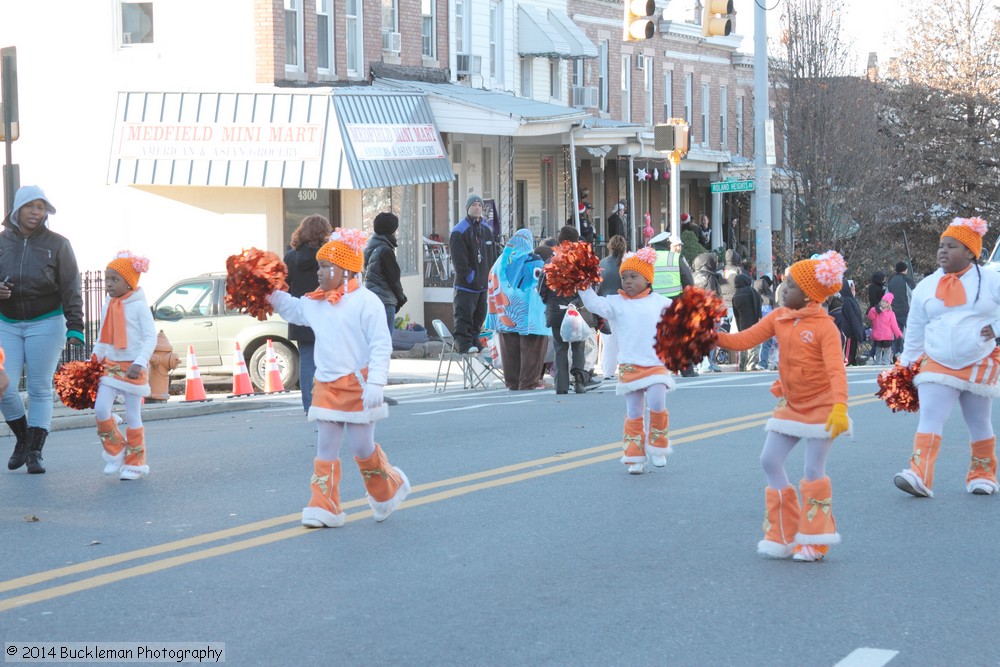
(77, 381)
(896, 388)
(253, 274)
(686, 331)
(574, 267)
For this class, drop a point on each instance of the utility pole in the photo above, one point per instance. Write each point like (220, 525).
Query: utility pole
(761, 113)
(9, 121)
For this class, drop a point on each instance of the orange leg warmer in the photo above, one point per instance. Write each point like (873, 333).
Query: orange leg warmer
(780, 523)
(325, 486)
(111, 437)
(816, 523)
(635, 446)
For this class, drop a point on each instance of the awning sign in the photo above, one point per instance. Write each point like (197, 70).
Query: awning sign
(220, 141)
(395, 142)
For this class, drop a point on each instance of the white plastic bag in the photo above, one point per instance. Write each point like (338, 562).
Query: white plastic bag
(574, 328)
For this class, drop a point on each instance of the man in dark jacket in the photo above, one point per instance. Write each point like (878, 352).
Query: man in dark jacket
(747, 305)
(732, 269)
(616, 226)
(901, 287)
(707, 277)
(854, 325)
(473, 252)
(381, 268)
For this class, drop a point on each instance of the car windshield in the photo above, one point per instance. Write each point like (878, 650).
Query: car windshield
(187, 300)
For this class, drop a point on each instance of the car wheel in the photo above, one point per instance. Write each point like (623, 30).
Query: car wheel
(288, 364)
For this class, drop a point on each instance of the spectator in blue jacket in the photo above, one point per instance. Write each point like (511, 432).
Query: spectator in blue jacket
(473, 252)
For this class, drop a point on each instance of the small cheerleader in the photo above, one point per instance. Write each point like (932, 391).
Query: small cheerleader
(643, 379)
(128, 338)
(352, 352)
(953, 321)
(812, 406)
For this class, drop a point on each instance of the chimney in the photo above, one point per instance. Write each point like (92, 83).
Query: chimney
(872, 75)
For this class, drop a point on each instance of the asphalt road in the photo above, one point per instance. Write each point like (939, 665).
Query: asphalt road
(524, 542)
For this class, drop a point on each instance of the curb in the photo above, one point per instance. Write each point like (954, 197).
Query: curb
(157, 412)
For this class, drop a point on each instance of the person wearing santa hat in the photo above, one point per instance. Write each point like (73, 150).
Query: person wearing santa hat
(128, 338)
(642, 378)
(812, 406)
(353, 347)
(951, 329)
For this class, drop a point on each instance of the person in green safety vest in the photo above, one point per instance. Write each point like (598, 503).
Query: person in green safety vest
(671, 273)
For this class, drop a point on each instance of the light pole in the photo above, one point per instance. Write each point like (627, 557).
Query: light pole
(672, 138)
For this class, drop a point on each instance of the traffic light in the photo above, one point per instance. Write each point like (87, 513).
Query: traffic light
(638, 20)
(715, 18)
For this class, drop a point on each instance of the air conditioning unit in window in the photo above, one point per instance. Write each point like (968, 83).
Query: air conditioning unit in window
(391, 42)
(467, 64)
(640, 61)
(585, 97)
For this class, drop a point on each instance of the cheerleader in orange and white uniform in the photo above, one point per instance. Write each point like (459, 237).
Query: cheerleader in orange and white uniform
(953, 321)
(352, 352)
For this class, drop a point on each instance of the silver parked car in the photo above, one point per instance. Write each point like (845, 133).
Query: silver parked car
(193, 312)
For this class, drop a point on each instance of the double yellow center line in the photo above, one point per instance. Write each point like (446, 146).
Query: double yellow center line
(453, 488)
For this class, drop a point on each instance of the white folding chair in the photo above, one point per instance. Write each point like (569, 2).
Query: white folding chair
(449, 351)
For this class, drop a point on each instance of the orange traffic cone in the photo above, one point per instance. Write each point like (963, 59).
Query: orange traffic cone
(241, 377)
(194, 389)
(272, 378)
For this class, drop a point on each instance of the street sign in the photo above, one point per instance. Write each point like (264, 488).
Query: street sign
(733, 186)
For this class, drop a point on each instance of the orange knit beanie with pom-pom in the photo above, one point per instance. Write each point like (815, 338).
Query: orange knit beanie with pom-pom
(821, 276)
(345, 249)
(129, 267)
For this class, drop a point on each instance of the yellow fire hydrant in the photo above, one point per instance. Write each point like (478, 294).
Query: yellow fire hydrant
(161, 362)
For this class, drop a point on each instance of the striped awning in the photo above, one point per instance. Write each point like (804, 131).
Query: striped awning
(344, 140)
(550, 34)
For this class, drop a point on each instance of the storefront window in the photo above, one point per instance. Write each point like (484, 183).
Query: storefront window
(403, 201)
(302, 203)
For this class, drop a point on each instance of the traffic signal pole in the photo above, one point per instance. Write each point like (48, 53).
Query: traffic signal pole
(761, 110)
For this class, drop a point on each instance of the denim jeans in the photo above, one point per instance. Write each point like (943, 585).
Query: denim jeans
(38, 345)
(307, 369)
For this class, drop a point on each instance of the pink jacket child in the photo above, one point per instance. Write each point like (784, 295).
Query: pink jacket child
(884, 326)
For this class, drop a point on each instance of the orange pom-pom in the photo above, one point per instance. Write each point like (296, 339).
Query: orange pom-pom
(252, 275)
(574, 267)
(77, 381)
(896, 388)
(686, 331)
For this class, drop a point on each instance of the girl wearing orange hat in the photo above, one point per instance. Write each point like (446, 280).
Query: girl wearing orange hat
(128, 338)
(954, 319)
(352, 352)
(643, 379)
(812, 406)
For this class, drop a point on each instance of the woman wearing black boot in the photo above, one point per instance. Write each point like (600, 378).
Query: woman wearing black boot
(40, 308)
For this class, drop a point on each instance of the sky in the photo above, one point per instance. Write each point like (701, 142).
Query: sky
(867, 23)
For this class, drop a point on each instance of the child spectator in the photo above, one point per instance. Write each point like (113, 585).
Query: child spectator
(884, 330)
(128, 338)
(642, 378)
(353, 347)
(812, 406)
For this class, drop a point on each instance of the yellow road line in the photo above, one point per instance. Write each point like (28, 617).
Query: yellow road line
(735, 424)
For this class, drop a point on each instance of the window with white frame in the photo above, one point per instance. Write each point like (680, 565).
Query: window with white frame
(136, 22)
(488, 172)
(293, 36)
(428, 16)
(706, 118)
(627, 87)
(324, 37)
(390, 16)
(555, 79)
(739, 125)
(668, 95)
(578, 72)
(496, 42)
(526, 76)
(724, 118)
(688, 94)
(647, 75)
(463, 43)
(353, 39)
(602, 74)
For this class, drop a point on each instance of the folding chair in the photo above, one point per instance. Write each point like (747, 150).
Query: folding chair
(479, 368)
(449, 351)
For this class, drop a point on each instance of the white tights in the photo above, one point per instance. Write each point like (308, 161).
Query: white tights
(655, 396)
(106, 398)
(359, 437)
(937, 401)
(778, 446)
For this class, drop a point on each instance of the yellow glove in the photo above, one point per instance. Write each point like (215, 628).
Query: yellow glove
(837, 422)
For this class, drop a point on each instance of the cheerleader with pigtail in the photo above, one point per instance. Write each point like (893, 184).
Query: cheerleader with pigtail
(642, 378)
(812, 407)
(953, 321)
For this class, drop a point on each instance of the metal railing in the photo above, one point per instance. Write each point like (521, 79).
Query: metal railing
(92, 289)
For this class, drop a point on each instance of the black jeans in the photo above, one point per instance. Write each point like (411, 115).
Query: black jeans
(470, 313)
(563, 366)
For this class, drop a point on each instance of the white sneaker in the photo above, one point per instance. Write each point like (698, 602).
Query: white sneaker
(909, 481)
(113, 464)
(659, 460)
(381, 511)
(317, 517)
(808, 553)
(636, 468)
(982, 487)
(129, 473)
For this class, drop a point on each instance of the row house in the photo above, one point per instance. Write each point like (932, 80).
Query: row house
(228, 122)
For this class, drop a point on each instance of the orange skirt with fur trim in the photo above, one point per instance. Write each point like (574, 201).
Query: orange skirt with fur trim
(635, 378)
(115, 376)
(978, 378)
(340, 401)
